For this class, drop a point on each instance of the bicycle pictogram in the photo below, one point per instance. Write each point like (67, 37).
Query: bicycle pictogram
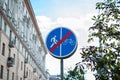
(69, 42)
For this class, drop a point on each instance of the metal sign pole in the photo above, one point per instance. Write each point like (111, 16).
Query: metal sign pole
(61, 66)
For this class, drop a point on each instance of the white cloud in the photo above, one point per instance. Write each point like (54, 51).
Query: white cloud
(79, 25)
(44, 22)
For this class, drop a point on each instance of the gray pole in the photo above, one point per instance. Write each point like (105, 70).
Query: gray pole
(61, 66)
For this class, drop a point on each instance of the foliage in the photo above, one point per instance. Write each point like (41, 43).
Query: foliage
(105, 59)
(76, 74)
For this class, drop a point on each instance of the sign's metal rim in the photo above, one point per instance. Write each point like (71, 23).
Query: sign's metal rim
(66, 56)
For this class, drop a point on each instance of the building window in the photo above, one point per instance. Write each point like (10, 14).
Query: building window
(9, 52)
(15, 40)
(13, 76)
(14, 58)
(3, 49)
(20, 78)
(29, 73)
(21, 65)
(7, 74)
(0, 22)
(1, 72)
(11, 3)
(5, 26)
(10, 35)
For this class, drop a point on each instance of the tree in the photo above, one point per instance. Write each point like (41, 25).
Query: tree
(105, 59)
(76, 74)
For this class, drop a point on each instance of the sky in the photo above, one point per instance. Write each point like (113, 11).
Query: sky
(73, 14)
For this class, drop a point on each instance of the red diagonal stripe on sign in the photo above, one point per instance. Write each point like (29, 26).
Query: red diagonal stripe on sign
(60, 41)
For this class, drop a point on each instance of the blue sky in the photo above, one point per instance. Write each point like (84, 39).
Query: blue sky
(56, 8)
(73, 14)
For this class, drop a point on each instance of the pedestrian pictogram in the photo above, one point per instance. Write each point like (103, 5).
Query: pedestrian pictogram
(61, 42)
(54, 41)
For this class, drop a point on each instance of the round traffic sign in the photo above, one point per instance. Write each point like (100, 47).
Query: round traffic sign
(61, 42)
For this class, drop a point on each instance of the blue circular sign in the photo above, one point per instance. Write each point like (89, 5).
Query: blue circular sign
(61, 42)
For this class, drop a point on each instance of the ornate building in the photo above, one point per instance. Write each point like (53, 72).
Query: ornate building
(22, 50)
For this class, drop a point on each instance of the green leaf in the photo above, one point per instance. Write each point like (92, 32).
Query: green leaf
(115, 16)
(90, 40)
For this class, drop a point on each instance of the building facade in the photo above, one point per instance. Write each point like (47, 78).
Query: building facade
(22, 50)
